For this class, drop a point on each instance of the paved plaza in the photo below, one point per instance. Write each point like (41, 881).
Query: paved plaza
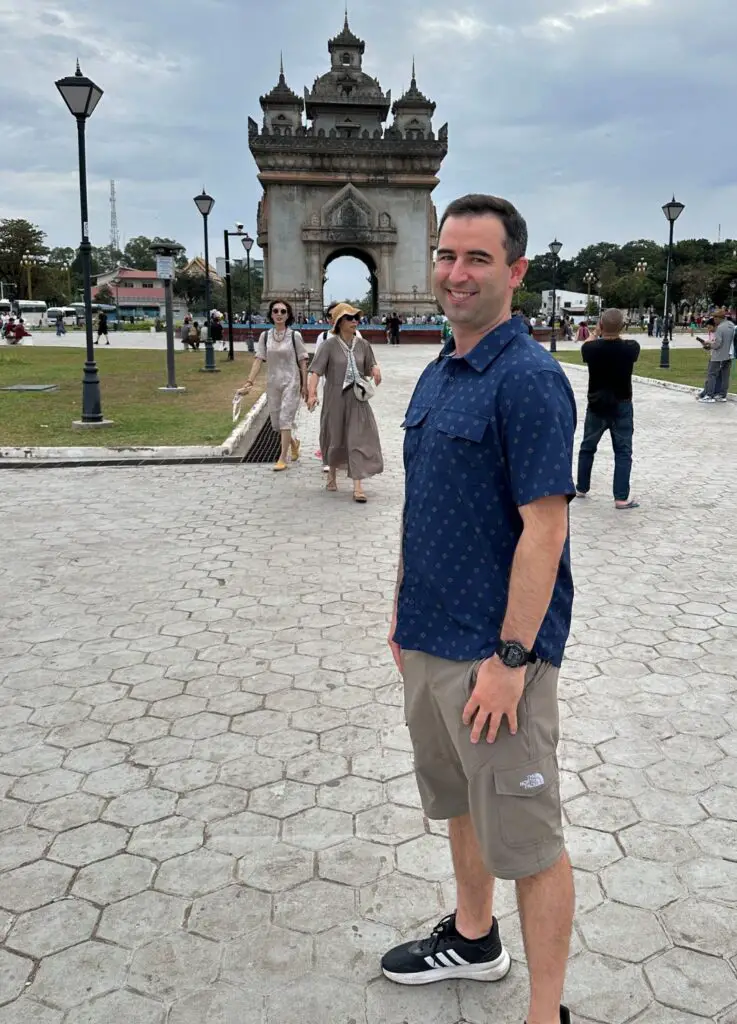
(209, 812)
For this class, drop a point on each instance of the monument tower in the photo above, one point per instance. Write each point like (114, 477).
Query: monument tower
(339, 181)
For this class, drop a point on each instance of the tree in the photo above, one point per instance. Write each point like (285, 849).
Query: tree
(239, 287)
(529, 302)
(17, 237)
(106, 259)
(105, 295)
(137, 254)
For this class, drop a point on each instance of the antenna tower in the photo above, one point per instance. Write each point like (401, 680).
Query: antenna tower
(114, 233)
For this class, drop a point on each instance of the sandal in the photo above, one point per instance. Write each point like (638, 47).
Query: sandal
(332, 484)
(630, 504)
(279, 466)
(360, 497)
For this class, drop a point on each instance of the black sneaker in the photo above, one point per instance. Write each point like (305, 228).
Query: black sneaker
(446, 954)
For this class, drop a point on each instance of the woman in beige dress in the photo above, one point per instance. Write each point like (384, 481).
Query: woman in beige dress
(285, 355)
(349, 437)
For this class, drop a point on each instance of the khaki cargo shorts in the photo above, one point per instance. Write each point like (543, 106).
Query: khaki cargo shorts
(510, 787)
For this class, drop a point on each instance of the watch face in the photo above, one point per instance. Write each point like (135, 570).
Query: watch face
(514, 656)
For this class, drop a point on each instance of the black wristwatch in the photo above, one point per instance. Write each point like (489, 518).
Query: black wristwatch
(513, 654)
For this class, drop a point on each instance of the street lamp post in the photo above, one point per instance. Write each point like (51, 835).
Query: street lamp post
(732, 286)
(309, 304)
(238, 233)
(247, 245)
(28, 262)
(589, 278)
(204, 204)
(555, 247)
(641, 269)
(672, 211)
(81, 96)
(414, 294)
(166, 253)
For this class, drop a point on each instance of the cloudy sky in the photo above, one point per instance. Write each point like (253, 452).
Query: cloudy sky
(588, 114)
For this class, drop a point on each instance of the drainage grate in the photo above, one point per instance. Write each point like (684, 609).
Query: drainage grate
(266, 447)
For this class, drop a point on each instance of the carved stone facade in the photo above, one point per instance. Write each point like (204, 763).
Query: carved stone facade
(340, 183)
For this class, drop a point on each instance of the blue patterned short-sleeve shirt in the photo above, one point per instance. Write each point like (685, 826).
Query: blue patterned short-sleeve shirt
(485, 434)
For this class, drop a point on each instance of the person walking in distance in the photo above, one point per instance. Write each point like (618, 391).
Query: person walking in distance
(482, 610)
(610, 360)
(102, 328)
(720, 359)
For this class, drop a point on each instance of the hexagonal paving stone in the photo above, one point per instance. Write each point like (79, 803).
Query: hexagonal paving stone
(348, 740)
(354, 950)
(601, 988)
(692, 981)
(706, 927)
(20, 846)
(14, 972)
(52, 928)
(641, 883)
(88, 843)
(183, 776)
(69, 978)
(28, 1011)
(120, 1007)
(282, 799)
(140, 918)
(200, 726)
(720, 802)
(317, 828)
(404, 790)
(141, 807)
(116, 780)
(317, 767)
(314, 906)
(426, 857)
(711, 878)
(258, 723)
(170, 837)
(659, 806)
(46, 785)
(111, 880)
(67, 812)
(250, 771)
(630, 752)
(220, 1004)
(351, 794)
(317, 998)
(33, 885)
(229, 913)
(382, 766)
(164, 750)
(626, 933)
(356, 862)
(212, 802)
(174, 966)
(196, 873)
(400, 901)
(275, 866)
(390, 823)
(605, 813)
(591, 850)
(278, 956)
(223, 748)
(657, 842)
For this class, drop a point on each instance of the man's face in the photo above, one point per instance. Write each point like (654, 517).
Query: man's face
(472, 280)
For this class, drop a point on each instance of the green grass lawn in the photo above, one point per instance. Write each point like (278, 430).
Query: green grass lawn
(687, 366)
(129, 382)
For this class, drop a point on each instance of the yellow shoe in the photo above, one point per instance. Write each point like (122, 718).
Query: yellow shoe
(279, 466)
(294, 446)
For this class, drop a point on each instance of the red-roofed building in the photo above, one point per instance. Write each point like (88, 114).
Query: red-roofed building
(139, 294)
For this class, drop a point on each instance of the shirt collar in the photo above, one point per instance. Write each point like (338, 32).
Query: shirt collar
(490, 346)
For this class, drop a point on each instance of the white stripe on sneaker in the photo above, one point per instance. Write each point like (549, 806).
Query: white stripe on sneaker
(430, 961)
(458, 959)
(445, 962)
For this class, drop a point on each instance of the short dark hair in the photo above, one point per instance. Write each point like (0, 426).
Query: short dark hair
(478, 205)
(283, 302)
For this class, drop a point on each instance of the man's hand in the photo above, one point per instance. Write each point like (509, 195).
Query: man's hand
(376, 374)
(394, 646)
(312, 402)
(497, 693)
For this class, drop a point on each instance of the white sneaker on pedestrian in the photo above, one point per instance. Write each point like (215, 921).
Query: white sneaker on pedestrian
(720, 398)
(707, 401)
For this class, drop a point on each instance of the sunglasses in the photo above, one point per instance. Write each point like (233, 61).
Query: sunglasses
(279, 312)
(349, 316)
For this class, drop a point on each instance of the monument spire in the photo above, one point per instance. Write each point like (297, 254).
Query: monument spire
(281, 66)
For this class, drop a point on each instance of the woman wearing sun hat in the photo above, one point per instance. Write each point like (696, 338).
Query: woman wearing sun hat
(349, 437)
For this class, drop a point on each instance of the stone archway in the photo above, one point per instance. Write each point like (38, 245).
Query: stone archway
(368, 261)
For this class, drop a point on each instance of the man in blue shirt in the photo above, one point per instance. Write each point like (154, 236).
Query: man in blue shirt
(482, 610)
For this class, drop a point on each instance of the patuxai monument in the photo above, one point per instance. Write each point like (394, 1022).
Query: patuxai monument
(339, 180)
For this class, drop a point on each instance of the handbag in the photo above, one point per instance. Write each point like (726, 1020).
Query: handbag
(364, 389)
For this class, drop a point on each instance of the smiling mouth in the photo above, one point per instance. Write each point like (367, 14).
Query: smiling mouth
(459, 296)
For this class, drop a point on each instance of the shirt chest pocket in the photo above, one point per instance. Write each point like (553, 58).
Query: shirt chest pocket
(467, 429)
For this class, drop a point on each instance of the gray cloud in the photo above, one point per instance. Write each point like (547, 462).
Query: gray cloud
(587, 113)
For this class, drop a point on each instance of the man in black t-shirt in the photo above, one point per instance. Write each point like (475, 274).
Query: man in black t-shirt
(610, 360)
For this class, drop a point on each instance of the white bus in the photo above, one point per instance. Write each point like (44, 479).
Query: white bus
(67, 313)
(33, 312)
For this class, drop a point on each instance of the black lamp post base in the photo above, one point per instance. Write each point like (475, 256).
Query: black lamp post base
(209, 366)
(665, 356)
(83, 424)
(175, 389)
(553, 343)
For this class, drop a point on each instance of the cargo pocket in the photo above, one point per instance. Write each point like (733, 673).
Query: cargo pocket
(528, 802)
